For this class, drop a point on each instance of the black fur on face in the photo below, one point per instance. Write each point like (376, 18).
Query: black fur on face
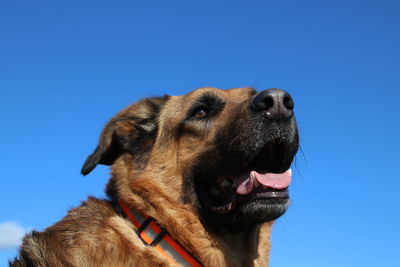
(247, 142)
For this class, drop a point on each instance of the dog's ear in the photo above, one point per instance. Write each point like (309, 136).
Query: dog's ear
(133, 130)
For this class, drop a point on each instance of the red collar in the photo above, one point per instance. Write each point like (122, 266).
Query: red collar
(153, 235)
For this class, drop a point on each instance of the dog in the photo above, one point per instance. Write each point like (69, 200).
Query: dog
(206, 172)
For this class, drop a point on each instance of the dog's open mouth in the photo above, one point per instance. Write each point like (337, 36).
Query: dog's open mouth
(266, 178)
(226, 193)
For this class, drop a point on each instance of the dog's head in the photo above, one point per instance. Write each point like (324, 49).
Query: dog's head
(225, 152)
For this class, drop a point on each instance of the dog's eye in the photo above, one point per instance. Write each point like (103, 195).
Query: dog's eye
(200, 112)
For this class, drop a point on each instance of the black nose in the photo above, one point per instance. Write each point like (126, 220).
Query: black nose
(275, 104)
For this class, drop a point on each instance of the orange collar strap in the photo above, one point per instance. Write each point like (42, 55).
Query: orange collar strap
(153, 235)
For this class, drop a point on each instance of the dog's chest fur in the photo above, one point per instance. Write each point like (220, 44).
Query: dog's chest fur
(96, 234)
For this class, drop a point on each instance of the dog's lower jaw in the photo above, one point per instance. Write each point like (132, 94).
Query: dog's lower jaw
(261, 210)
(239, 212)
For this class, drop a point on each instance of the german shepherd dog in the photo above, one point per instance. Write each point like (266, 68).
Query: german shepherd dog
(209, 168)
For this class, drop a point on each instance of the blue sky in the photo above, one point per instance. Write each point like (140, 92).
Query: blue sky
(66, 67)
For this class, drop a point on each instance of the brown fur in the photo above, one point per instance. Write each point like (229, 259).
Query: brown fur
(150, 154)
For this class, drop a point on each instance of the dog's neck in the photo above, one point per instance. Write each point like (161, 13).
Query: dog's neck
(210, 245)
(246, 246)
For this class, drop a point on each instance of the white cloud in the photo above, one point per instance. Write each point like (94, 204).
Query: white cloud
(11, 234)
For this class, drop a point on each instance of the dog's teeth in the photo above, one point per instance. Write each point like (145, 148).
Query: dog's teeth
(290, 172)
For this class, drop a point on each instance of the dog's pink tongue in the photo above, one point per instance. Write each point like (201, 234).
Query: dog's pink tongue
(271, 180)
